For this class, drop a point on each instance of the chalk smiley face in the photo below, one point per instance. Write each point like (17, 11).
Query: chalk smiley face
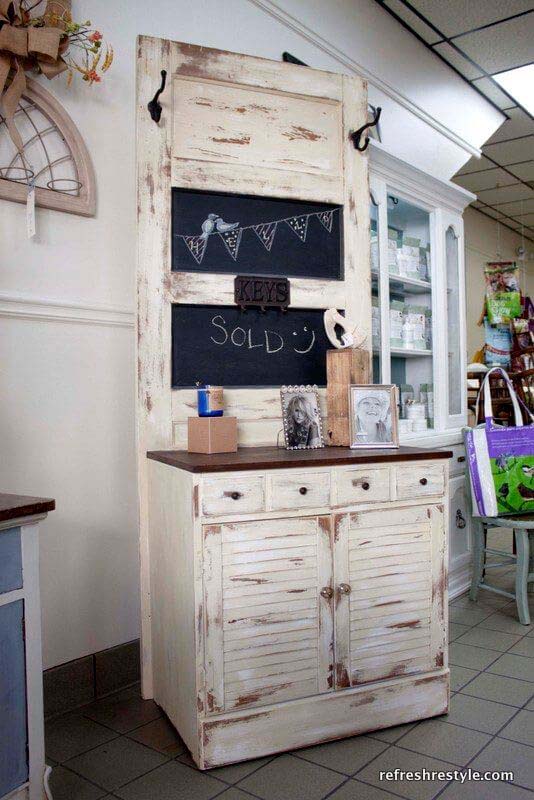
(304, 341)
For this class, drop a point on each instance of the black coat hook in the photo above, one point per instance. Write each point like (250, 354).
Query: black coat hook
(357, 135)
(154, 107)
(291, 59)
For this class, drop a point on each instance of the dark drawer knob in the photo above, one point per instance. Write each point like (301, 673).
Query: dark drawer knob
(365, 486)
(423, 481)
(303, 490)
(460, 459)
(236, 495)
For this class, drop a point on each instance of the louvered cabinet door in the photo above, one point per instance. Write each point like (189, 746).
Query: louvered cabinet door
(390, 593)
(268, 628)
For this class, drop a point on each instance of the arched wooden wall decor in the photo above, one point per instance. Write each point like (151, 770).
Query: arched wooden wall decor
(53, 150)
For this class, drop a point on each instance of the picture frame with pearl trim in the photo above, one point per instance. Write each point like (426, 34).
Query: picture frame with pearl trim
(301, 417)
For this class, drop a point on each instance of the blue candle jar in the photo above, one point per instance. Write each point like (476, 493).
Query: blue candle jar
(210, 401)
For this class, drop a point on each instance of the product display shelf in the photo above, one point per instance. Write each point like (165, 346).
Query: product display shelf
(400, 352)
(411, 285)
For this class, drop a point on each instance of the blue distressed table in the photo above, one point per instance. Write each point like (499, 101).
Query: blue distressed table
(21, 688)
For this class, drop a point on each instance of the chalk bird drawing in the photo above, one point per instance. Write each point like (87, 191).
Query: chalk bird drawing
(215, 224)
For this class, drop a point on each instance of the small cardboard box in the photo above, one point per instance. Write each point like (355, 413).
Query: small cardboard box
(212, 434)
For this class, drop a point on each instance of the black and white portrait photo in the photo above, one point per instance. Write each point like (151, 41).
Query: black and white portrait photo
(373, 416)
(301, 417)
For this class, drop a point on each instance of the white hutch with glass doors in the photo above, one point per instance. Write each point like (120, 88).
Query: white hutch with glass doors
(419, 319)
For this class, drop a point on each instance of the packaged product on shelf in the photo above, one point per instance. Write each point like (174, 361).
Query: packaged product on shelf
(423, 264)
(426, 395)
(522, 333)
(415, 410)
(408, 334)
(396, 319)
(428, 328)
(415, 316)
(393, 244)
(409, 257)
(375, 322)
(374, 246)
(498, 344)
(503, 296)
(406, 396)
(374, 255)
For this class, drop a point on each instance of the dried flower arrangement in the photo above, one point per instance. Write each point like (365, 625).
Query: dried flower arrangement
(46, 44)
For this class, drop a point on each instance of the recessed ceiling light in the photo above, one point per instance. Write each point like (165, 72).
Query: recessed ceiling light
(520, 84)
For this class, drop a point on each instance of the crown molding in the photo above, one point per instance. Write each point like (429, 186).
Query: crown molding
(353, 66)
(404, 176)
(48, 310)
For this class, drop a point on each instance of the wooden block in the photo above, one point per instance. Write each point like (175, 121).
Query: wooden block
(212, 434)
(343, 367)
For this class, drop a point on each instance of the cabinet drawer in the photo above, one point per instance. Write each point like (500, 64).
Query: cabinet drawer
(362, 485)
(233, 495)
(10, 560)
(302, 490)
(419, 480)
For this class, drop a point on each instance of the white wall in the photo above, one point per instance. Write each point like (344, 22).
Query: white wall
(66, 406)
(486, 241)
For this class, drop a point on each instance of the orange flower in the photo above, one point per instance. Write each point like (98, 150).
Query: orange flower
(91, 76)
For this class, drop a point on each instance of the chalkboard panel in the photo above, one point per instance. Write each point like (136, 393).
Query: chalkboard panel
(224, 346)
(249, 235)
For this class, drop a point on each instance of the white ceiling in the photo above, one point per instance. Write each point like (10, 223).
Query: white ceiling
(480, 38)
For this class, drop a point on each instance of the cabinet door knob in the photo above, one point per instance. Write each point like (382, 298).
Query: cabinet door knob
(365, 486)
(303, 490)
(236, 495)
(460, 519)
(327, 592)
(423, 481)
(460, 459)
(344, 588)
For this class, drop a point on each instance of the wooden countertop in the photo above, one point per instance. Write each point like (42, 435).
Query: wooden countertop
(279, 458)
(14, 506)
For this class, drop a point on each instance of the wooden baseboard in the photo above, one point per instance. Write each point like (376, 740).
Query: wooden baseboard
(243, 735)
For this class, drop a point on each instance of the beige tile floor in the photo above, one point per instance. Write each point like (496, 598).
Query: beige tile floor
(123, 747)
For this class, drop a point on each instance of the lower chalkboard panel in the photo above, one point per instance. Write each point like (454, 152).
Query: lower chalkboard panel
(225, 346)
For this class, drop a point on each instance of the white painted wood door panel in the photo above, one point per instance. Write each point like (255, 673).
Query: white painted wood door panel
(386, 579)
(459, 525)
(268, 630)
(233, 123)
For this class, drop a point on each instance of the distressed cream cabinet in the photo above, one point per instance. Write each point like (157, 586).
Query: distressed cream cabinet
(296, 597)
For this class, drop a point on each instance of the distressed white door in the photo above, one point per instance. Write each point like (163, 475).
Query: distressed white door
(245, 125)
(268, 611)
(389, 584)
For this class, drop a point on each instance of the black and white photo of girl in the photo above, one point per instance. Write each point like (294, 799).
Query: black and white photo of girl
(302, 421)
(373, 416)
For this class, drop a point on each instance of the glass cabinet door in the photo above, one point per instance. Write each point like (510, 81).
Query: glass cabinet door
(455, 410)
(409, 276)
